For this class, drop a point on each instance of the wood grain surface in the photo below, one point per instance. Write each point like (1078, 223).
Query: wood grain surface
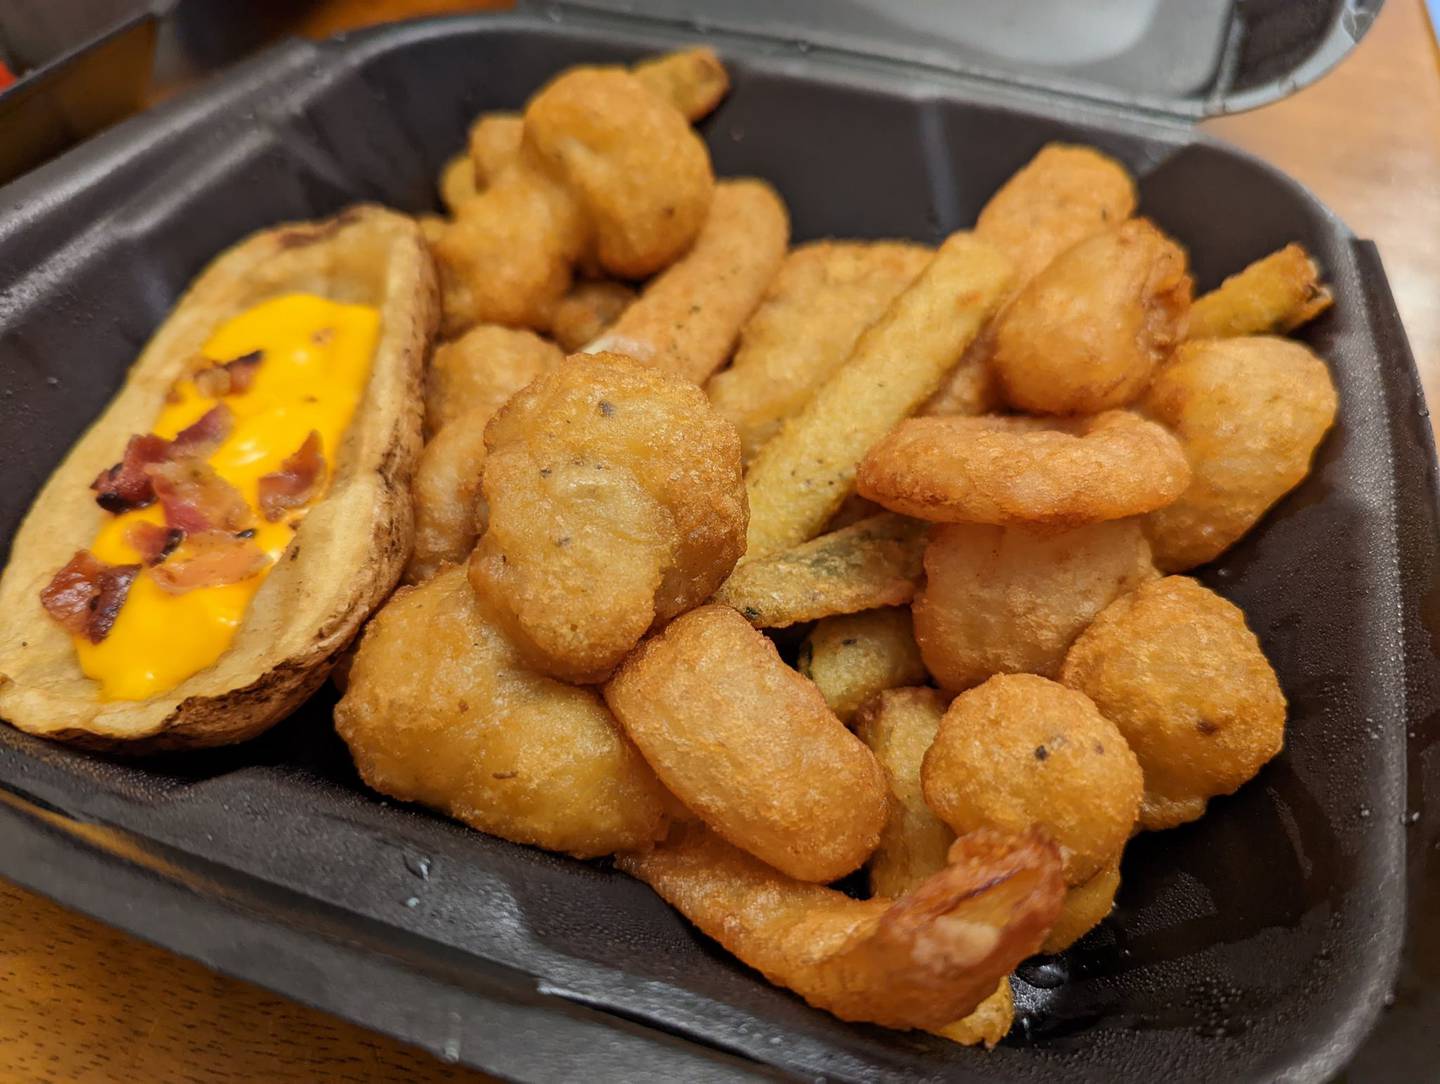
(82, 1003)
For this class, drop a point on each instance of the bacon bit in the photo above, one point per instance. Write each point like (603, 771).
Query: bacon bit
(197, 499)
(126, 485)
(296, 482)
(229, 377)
(210, 559)
(154, 542)
(203, 436)
(85, 596)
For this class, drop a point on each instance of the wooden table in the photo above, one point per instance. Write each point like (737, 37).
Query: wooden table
(80, 1002)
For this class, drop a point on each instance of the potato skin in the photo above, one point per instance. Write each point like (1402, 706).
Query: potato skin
(440, 710)
(481, 370)
(1249, 413)
(1001, 600)
(1025, 471)
(1184, 679)
(1087, 332)
(616, 502)
(750, 746)
(345, 558)
(1022, 751)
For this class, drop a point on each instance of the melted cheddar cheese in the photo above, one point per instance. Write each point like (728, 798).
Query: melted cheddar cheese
(315, 365)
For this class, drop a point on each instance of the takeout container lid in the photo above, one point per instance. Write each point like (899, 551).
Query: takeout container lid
(265, 861)
(1183, 59)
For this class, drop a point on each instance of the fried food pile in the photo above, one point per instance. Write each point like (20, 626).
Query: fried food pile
(757, 566)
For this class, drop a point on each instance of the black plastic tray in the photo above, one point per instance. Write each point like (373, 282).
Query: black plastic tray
(1257, 944)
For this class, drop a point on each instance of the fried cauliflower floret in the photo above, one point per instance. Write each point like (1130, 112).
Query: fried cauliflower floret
(615, 503)
(446, 491)
(494, 145)
(630, 159)
(507, 256)
(440, 710)
(587, 310)
(1005, 600)
(1021, 752)
(481, 370)
(1249, 413)
(1183, 678)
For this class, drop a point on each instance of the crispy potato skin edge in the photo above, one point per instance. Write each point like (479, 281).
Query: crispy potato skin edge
(219, 706)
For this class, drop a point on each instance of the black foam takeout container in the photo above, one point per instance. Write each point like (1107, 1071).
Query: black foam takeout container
(1256, 944)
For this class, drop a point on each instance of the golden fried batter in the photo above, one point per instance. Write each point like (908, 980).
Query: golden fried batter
(1177, 670)
(494, 145)
(457, 183)
(1086, 906)
(749, 745)
(1249, 413)
(481, 370)
(1062, 196)
(825, 294)
(692, 80)
(971, 388)
(1005, 600)
(507, 256)
(876, 562)
(1022, 752)
(1016, 470)
(616, 503)
(800, 477)
(922, 961)
(1272, 296)
(587, 310)
(448, 512)
(639, 172)
(440, 710)
(899, 726)
(1087, 332)
(988, 1023)
(851, 657)
(687, 319)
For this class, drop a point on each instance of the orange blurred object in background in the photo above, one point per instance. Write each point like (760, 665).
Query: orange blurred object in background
(337, 15)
